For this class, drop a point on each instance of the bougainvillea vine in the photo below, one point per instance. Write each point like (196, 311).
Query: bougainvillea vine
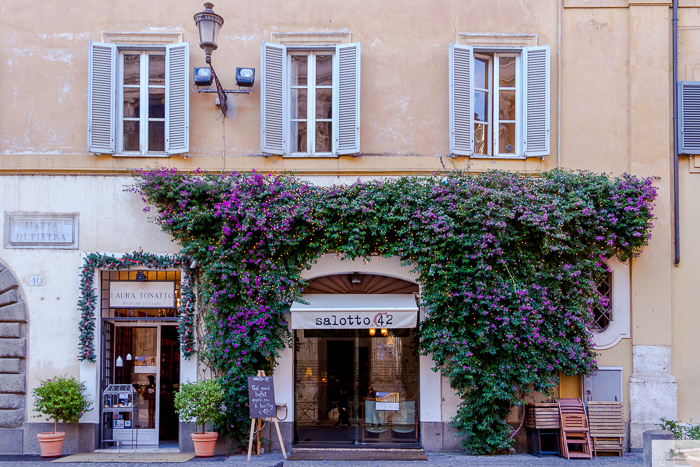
(88, 296)
(508, 266)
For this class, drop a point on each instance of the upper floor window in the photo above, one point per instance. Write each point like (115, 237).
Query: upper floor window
(310, 100)
(138, 99)
(499, 101)
(141, 81)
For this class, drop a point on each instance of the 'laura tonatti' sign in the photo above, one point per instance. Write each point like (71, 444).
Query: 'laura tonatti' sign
(142, 294)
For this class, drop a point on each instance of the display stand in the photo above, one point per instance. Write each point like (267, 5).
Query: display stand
(119, 399)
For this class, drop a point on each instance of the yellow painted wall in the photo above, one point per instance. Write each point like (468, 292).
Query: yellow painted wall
(611, 110)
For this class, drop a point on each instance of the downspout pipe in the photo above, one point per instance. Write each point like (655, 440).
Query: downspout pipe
(676, 208)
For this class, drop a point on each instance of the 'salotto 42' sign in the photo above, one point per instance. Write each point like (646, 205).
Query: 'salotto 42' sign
(344, 320)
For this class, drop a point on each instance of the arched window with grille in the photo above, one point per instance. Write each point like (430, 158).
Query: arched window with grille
(602, 311)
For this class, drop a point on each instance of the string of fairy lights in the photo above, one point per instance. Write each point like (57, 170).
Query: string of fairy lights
(507, 266)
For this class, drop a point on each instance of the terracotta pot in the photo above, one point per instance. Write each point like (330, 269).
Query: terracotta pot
(693, 461)
(51, 443)
(204, 443)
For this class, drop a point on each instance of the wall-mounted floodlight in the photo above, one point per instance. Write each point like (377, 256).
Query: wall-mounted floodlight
(245, 77)
(209, 24)
(202, 76)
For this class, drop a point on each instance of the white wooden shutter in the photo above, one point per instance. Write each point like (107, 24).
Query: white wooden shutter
(461, 100)
(273, 99)
(177, 98)
(346, 105)
(536, 107)
(689, 117)
(102, 88)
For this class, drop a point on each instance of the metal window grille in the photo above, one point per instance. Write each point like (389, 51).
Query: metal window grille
(602, 312)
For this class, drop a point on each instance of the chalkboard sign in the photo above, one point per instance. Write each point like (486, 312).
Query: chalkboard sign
(261, 397)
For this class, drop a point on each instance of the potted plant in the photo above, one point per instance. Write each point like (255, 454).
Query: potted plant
(61, 399)
(201, 402)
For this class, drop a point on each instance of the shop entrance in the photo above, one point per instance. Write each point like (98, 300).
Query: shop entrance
(356, 388)
(147, 357)
(141, 351)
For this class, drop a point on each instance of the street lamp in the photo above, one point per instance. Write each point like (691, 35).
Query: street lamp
(209, 24)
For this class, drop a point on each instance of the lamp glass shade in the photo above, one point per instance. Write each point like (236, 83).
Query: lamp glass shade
(128, 356)
(119, 362)
(209, 24)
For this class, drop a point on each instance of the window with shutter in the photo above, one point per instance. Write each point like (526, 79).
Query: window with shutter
(102, 65)
(498, 100)
(461, 100)
(272, 100)
(310, 104)
(138, 100)
(177, 108)
(689, 117)
(536, 100)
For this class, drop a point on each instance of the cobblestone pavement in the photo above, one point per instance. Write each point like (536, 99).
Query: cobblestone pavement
(276, 460)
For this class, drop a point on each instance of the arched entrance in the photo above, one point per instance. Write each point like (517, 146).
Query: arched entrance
(356, 375)
(13, 352)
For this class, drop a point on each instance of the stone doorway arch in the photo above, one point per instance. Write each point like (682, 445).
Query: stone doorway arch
(13, 353)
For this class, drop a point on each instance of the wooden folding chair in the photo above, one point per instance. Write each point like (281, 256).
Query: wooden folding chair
(574, 429)
(607, 426)
(542, 422)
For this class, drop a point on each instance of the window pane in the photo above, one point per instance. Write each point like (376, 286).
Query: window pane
(506, 138)
(298, 137)
(156, 103)
(481, 75)
(299, 101)
(481, 107)
(299, 70)
(506, 72)
(324, 103)
(156, 136)
(131, 136)
(132, 69)
(324, 70)
(323, 136)
(481, 137)
(506, 106)
(131, 102)
(156, 69)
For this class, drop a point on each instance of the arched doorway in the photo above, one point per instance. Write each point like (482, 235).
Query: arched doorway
(13, 319)
(356, 367)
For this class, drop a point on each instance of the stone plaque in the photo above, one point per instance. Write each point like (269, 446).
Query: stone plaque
(141, 294)
(41, 230)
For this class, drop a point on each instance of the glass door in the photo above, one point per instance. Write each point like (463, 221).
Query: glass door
(136, 363)
(353, 387)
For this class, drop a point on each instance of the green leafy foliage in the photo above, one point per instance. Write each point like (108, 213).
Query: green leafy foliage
(508, 266)
(682, 431)
(200, 402)
(61, 399)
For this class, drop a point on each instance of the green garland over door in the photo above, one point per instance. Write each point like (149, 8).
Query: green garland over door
(88, 297)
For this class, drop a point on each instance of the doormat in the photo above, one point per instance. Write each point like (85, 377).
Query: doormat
(130, 457)
(358, 455)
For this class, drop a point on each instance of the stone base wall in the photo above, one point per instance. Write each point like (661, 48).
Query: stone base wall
(81, 437)
(653, 391)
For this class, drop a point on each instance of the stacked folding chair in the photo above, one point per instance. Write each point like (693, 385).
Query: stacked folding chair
(607, 426)
(542, 421)
(574, 429)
